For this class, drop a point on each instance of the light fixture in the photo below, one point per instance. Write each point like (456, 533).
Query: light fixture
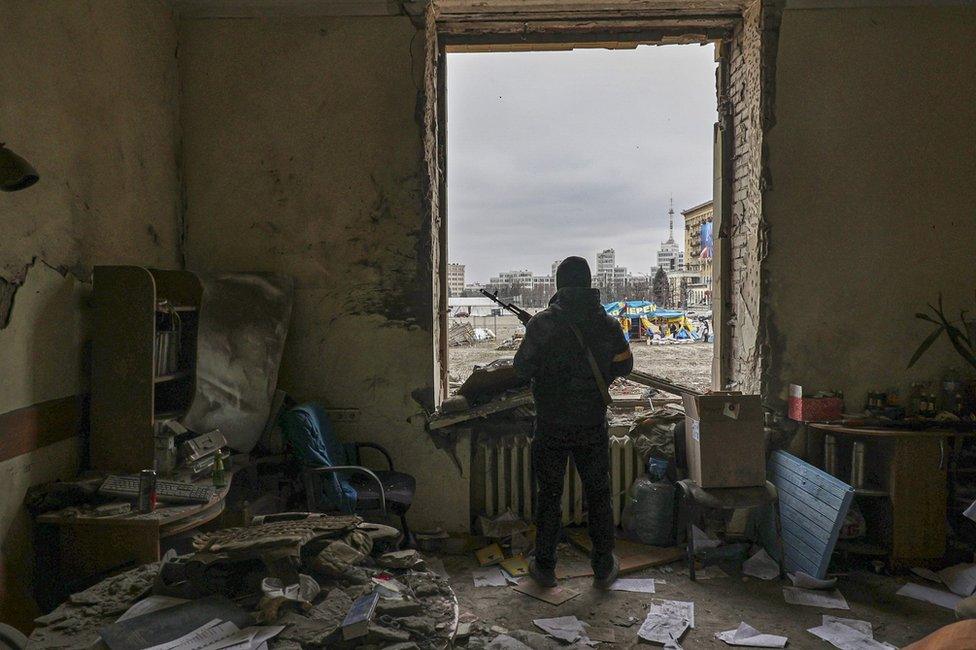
(15, 172)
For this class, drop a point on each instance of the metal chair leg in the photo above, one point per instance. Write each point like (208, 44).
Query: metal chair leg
(779, 539)
(408, 538)
(691, 543)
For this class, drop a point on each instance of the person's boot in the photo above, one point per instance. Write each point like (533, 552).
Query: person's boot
(604, 576)
(541, 577)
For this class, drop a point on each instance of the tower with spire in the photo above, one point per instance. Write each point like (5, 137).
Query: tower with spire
(670, 257)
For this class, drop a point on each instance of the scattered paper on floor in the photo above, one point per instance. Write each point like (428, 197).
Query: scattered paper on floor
(701, 540)
(970, 511)
(222, 634)
(667, 621)
(938, 597)
(490, 577)
(635, 585)
(565, 628)
(864, 627)
(814, 598)
(848, 634)
(761, 566)
(747, 635)
(960, 579)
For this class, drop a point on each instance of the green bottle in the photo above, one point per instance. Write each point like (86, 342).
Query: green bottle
(219, 476)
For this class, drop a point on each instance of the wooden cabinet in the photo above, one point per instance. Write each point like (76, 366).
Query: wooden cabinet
(133, 389)
(904, 497)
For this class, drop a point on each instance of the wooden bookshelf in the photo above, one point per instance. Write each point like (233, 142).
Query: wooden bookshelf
(133, 305)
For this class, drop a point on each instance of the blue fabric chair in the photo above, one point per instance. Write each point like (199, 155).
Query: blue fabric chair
(333, 474)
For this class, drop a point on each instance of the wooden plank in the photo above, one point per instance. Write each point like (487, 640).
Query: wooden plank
(799, 556)
(27, 429)
(809, 483)
(796, 485)
(812, 473)
(811, 528)
(806, 503)
(809, 507)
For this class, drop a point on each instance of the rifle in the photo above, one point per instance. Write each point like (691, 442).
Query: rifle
(520, 313)
(661, 383)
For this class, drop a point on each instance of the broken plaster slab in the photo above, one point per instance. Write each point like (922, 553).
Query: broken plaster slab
(48, 314)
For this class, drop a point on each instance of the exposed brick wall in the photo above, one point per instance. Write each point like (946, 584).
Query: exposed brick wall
(750, 94)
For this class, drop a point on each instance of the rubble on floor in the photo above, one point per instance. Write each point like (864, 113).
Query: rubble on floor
(303, 576)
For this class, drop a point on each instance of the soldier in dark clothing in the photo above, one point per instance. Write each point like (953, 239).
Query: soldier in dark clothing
(571, 414)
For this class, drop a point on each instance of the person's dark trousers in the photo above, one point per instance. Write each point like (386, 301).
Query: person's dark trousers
(589, 448)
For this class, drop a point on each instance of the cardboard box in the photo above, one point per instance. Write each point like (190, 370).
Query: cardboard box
(813, 409)
(725, 440)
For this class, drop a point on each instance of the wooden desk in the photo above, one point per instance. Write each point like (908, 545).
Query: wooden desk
(71, 550)
(909, 469)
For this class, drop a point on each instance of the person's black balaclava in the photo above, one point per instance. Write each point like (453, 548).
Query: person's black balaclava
(573, 272)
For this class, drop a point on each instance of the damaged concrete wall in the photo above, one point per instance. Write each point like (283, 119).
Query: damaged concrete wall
(870, 211)
(88, 96)
(746, 228)
(303, 143)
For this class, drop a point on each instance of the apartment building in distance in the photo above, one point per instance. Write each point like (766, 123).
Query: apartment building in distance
(455, 279)
(698, 253)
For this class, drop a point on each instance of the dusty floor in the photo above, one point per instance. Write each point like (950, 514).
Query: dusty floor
(720, 604)
(687, 363)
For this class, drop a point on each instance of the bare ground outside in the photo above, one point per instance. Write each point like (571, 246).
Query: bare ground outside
(686, 363)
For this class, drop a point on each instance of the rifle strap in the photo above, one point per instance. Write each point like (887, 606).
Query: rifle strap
(594, 368)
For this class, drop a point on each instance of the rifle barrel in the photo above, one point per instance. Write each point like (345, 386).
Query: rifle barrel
(661, 383)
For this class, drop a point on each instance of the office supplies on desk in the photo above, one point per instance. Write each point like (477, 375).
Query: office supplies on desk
(127, 487)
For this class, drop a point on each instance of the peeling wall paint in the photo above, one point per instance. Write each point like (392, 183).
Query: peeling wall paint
(303, 153)
(871, 215)
(88, 96)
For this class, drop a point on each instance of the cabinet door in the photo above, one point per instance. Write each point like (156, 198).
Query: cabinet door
(918, 495)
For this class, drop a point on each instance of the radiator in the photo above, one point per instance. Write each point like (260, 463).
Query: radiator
(504, 469)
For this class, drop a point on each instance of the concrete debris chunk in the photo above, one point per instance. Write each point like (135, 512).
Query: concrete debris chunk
(336, 558)
(305, 630)
(384, 635)
(398, 607)
(420, 625)
(405, 559)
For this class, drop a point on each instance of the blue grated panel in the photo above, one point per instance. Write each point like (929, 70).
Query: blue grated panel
(812, 505)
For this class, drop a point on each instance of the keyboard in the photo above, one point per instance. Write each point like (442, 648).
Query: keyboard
(127, 487)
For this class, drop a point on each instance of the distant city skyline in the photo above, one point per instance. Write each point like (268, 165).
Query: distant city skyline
(552, 154)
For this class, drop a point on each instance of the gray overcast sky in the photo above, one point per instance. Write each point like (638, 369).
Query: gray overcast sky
(567, 153)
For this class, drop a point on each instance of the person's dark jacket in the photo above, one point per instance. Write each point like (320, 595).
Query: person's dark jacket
(550, 355)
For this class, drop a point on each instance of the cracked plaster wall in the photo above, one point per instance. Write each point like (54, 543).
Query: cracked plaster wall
(304, 154)
(873, 162)
(88, 96)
